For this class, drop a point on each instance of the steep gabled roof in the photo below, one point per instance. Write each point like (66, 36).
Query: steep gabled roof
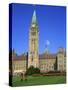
(18, 57)
(47, 56)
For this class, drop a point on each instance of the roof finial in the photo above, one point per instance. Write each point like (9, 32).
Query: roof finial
(47, 44)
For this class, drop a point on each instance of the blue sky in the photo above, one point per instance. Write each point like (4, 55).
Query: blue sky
(51, 24)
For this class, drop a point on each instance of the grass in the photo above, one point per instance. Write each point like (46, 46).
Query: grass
(39, 80)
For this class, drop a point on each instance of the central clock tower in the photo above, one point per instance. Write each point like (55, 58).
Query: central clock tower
(33, 59)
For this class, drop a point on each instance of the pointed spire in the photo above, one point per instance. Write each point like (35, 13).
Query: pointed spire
(47, 44)
(34, 17)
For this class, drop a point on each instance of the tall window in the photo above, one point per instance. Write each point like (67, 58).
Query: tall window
(32, 59)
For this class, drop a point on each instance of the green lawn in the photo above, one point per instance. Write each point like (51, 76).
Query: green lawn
(39, 80)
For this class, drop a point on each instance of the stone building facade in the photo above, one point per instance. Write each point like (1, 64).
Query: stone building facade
(19, 63)
(53, 62)
(61, 60)
(47, 62)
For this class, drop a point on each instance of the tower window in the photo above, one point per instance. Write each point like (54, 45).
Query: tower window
(33, 33)
(32, 59)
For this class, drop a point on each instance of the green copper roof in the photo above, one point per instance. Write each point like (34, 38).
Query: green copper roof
(34, 17)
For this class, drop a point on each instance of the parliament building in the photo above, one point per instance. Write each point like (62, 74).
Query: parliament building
(45, 62)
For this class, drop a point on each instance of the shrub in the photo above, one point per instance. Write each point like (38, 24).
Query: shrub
(36, 70)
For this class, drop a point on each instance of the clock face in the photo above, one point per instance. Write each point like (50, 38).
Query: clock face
(33, 25)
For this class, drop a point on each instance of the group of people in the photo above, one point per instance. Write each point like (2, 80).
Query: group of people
(23, 77)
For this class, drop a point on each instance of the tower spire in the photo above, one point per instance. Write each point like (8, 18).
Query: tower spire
(47, 44)
(34, 17)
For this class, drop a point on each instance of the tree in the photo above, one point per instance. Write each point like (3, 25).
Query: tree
(31, 70)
